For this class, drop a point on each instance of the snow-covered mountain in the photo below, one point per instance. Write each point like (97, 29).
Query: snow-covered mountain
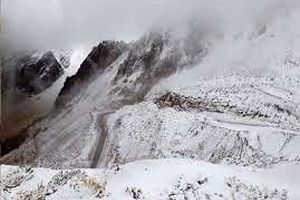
(31, 81)
(112, 75)
(177, 114)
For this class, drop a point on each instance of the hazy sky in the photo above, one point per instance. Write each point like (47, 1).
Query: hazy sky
(64, 23)
(46, 23)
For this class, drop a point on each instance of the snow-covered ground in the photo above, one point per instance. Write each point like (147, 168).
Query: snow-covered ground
(152, 179)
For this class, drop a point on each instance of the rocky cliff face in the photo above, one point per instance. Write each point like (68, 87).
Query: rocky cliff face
(96, 62)
(27, 79)
(33, 72)
(155, 56)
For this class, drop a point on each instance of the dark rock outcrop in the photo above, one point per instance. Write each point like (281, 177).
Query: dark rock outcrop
(37, 74)
(96, 62)
(30, 72)
(183, 103)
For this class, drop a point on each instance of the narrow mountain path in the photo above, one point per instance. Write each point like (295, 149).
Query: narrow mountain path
(102, 129)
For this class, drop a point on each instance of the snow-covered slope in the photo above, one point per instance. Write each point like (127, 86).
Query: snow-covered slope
(172, 179)
(250, 123)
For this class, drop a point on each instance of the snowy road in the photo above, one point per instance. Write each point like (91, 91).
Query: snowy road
(102, 130)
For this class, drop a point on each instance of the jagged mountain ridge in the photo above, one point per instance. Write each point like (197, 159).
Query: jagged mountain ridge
(43, 73)
(98, 59)
(34, 76)
(132, 74)
(34, 71)
(27, 77)
(156, 55)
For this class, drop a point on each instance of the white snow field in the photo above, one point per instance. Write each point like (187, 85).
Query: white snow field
(152, 179)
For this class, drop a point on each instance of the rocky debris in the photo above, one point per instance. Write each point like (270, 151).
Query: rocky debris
(96, 62)
(229, 119)
(61, 178)
(182, 103)
(244, 100)
(184, 189)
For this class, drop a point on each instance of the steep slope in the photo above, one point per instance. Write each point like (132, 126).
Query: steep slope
(24, 76)
(113, 74)
(96, 62)
(20, 107)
